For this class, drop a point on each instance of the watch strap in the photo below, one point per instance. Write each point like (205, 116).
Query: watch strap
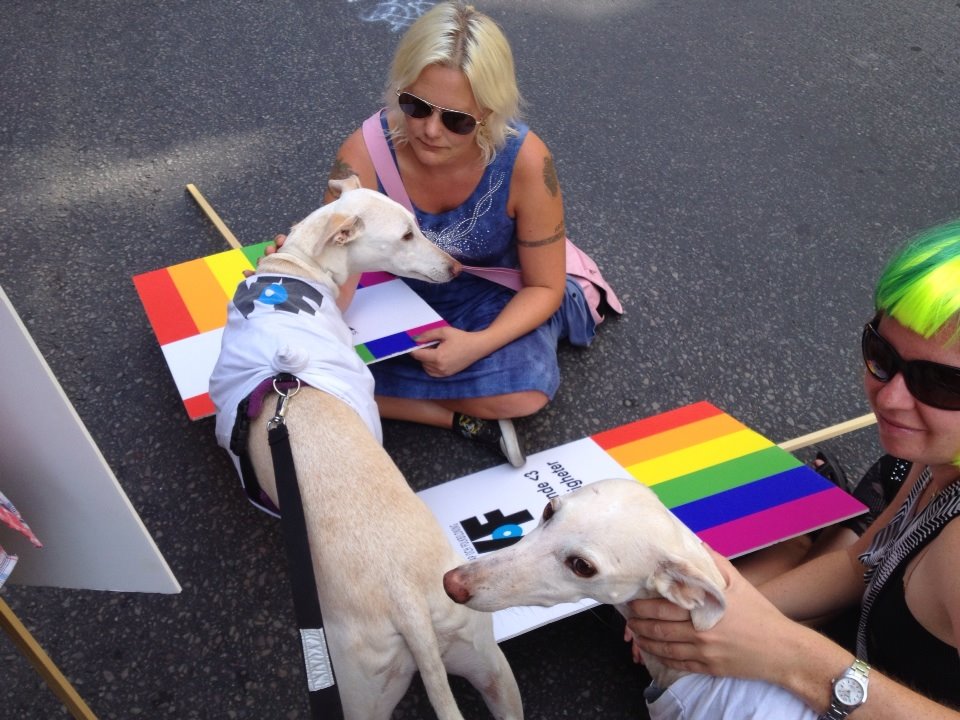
(837, 710)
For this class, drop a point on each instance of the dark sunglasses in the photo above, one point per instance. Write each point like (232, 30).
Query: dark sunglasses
(931, 383)
(455, 121)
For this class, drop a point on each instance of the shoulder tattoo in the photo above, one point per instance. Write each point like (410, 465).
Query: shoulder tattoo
(550, 178)
(560, 234)
(341, 169)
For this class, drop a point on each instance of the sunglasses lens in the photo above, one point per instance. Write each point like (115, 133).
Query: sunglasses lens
(413, 106)
(458, 122)
(878, 356)
(935, 385)
(931, 383)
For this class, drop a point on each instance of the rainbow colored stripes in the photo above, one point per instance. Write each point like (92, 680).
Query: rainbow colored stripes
(191, 298)
(733, 487)
(186, 305)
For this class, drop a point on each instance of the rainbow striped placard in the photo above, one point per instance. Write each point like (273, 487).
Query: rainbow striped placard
(186, 305)
(734, 488)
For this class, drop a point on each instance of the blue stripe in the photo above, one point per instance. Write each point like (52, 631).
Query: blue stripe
(390, 345)
(752, 498)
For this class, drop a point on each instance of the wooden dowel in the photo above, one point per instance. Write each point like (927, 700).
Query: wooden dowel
(212, 215)
(829, 432)
(43, 664)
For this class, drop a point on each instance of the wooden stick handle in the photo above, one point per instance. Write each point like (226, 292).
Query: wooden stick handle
(212, 215)
(829, 432)
(43, 664)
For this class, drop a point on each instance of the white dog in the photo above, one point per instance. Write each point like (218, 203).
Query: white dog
(614, 541)
(378, 553)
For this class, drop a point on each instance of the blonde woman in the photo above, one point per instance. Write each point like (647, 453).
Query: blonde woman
(484, 189)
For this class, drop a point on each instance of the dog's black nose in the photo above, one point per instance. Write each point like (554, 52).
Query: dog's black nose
(454, 586)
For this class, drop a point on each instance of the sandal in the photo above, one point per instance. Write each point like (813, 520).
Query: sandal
(827, 465)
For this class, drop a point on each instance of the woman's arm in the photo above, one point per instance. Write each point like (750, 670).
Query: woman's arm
(821, 586)
(755, 640)
(537, 204)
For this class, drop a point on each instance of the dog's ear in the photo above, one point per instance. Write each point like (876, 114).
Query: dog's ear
(686, 585)
(339, 187)
(342, 229)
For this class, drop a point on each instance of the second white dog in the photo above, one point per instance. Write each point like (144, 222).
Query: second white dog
(614, 541)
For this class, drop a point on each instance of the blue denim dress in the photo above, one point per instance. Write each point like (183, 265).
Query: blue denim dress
(480, 232)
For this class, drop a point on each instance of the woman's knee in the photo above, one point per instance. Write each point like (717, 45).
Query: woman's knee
(528, 403)
(510, 405)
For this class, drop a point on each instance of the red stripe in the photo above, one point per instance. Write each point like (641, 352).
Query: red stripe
(656, 424)
(165, 309)
(199, 406)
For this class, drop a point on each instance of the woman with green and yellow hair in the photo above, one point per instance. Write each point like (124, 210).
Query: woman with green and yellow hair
(902, 570)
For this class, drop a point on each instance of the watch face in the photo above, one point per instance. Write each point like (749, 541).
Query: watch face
(849, 691)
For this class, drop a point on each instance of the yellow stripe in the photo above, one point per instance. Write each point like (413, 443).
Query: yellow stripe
(698, 457)
(227, 268)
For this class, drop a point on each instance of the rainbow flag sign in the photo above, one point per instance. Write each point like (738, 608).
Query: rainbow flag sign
(735, 489)
(187, 308)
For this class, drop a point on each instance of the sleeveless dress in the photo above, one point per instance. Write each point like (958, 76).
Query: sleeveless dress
(480, 232)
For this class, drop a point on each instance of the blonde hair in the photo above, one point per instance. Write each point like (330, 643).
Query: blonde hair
(457, 36)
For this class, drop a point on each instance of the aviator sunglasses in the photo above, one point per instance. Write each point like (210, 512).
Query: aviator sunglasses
(455, 121)
(931, 383)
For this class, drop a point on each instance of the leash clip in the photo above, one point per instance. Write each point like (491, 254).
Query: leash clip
(284, 395)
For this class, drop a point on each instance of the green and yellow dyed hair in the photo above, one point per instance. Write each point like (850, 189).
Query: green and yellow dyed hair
(920, 286)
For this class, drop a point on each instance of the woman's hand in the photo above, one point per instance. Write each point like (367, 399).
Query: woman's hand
(269, 250)
(746, 642)
(456, 350)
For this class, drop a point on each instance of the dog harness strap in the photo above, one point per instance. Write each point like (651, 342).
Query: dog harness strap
(321, 682)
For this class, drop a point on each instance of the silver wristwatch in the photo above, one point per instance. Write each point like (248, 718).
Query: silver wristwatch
(849, 691)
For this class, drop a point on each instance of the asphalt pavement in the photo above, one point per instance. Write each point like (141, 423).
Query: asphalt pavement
(739, 169)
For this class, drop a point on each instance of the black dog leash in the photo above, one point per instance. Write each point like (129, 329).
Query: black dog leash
(321, 683)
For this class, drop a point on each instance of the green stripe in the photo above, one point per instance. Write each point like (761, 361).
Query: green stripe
(364, 354)
(724, 476)
(255, 252)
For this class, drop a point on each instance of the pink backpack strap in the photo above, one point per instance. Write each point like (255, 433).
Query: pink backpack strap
(383, 161)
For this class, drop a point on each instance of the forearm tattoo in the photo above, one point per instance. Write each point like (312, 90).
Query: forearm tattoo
(560, 234)
(550, 178)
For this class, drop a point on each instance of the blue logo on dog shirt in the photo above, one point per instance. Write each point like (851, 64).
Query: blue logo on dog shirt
(281, 294)
(273, 294)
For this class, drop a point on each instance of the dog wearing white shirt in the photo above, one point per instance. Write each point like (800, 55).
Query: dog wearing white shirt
(378, 553)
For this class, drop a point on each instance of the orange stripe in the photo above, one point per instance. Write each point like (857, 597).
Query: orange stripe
(676, 439)
(656, 424)
(201, 292)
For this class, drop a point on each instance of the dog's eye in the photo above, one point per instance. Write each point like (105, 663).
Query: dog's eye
(547, 512)
(408, 235)
(581, 567)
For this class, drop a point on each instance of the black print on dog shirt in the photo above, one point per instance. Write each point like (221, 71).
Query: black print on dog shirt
(284, 294)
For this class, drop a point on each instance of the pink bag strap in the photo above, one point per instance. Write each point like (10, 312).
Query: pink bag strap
(383, 161)
(392, 183)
